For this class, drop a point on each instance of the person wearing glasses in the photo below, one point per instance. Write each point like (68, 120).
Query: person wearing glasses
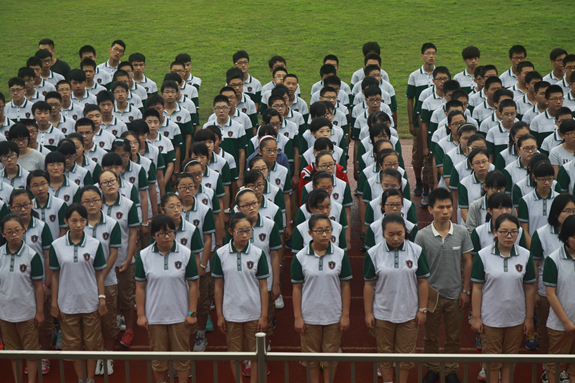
(534, 207)
(544, 124)
(564, 152)
(28, 158)
(498, 136)
(241, 60)
(202, 218)
(107, 231)
(470, 188)
(241, 292)
(77, 262)
(123, 210)
(256, 180)
(50, 209)
(477, 215)
(12, 174)
(288, 129)
(246, 102)
(529, 183)
(372, 187)
(123, 110)
(167, 296)
(503, 300)
(517, 170)
(511, 153)
(321, 274)
(555, 139)
(163, 144)
(60, 185)
(212, 179)
(73, 154)
(455, 120)
(284, 144)
(19, 108)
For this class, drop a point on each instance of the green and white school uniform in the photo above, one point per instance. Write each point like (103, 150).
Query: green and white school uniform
(550, 142)
(107, 232)
(53, 214)
(18, 181)
(514, 172)
(213, 180)
(525, 186)
(79, 175)
(279, 176)
(374, 234)
(372, 187)
(116, 127)
(559, 273)
(483, 236)
(395, 272)
(341, 192)
(497, 139)
(68, 191)
(301, 237)
(202, 218)
(336, 213)
(534, 209)
(505, 157)
(124, 211)
(209, 198)
(374, 211)
(544, 242)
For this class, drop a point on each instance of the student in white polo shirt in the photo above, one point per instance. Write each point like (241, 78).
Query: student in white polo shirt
(543, 124)
(19, 108)
(321, 274)
(554, 140)
(558, 278)
(503, 302)
(80, 95)
(167, 296)
(471, 187)
(123, 110)
(50, 209)
(78, 295)
(301, 236)
(77, 174)
(21, 295)
(394, 313)
(107, 231)
(123, 210)
(60, 186)
(517, 170)
(534, 207)
(565, 151)
(241, 292)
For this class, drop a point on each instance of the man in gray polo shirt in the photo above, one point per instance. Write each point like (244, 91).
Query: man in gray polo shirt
(448, 249)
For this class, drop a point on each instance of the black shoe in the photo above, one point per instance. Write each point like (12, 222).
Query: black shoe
(418, 189)
(430, 377)
(452, 378)
(362, 248)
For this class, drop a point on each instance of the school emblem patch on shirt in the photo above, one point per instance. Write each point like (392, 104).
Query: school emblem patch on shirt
(196, 222)
(209, 185)
(179, 118)
(114, 132)
(51, 141)
(335, 196)
(86, 257)
(409, 264)
(278, 181)
(205, 201)
(178, 265)
(262, 237)
(34, 238)
(101, 143)
(334, 123)
(230, 133)
(161, 148)
(166, 134)
(52, 217)
(250, 89)
(131, 118)
(333, 238)
(331, 265)
(27, 114)
(184, 241)
(244, 110)
(77, 181)
(519, 268)
(250, 265)
(23, 268)
(105, 235)
(99, 81)
(66, 198)
(74, 117)
(132, 180)
(64, 130)
(119, 215)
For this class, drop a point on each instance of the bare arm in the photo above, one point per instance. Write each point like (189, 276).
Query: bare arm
(368, 293)
(410, 116)
(525, 227)
(207, 249)
(276, 258)
(476, 296)
(141, 303)
(168, 173)
(345, 304)
(193, 293)
(299, 324)
(348, 230)
(111, 261)
(263, 321)
(144, 202)
(558, 309)
(153, 201)
(177, 151)
(39, 293)
(530, 291)
(241, 166)
(55, 279)
(161, 182)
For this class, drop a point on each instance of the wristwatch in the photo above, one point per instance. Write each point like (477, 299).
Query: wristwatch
(423, 310)
(145, 224)
(467, 292)
(193, 314)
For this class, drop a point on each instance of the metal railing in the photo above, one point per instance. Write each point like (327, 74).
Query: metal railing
(262, 356)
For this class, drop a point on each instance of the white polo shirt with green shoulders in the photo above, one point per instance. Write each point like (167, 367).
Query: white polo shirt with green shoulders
(73, 112)
(336, 214)
(38, 236)
(129, 114)
(321, 277)
(233, 136)
(149, 85)
(18, 271)
(171, 130)
(79, 175)
(503, 295)
(116, 127)
(107, 232)
(53, 213)
(18, 181)
(395, 272)
(301, 237)
(220, 166)
(279, 176)
(165, 147)
(104, 139)
(559, 273)
(209, 198)
(68, 191)
(77, 263)
(50, 137)
(96, 153)
(124, 211)
(545, 241)
(534, 209)
(374, 211)
(18, 112)
(341, 192)
(188, 236)
(374, 234)
(465, 80)
(241, 271)
(542, 126)
(202, 218)
(166, 277)
(482, 236)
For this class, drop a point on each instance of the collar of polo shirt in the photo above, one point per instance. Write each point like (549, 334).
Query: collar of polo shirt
(70, 243)
(389, 248)
(495, 251)
(549, 196)
(311, 252)
(48, 203)
(175, 248)
(437, 234)
(32, 223)
(565, 254)
(18, 252)
(245, 250)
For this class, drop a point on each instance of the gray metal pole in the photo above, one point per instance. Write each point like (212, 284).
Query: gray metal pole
(261, 356)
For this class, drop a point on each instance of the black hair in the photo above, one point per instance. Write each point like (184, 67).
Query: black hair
(325, 90)
(183, 58)
(537, 157)
(541, 84)
(11, 217)
(371, 68)
(505, 217)
(235, 219)
(151, 112)
(18, 131)
(170, 85)
(371, 47)
(34, 174)
(525, 137)
(565, 127)
(372, 56)
(379, 116)
(319, 123)
(161, 222)
(241, 193)
(119, 84)
(281, 89)
(332, 80)
(533, 75)
(77, 75)
(173, 77)
(315, 197)
(369, 81)
(383, 154)
(524, 64)
(181, 176)
(327, 69)
(394, 218)
(125, 64)
(107, 171)
(439, 194)
(559, 203)
(54, 157)
(377, 129)
(9, 146)
(16, 81)
(487, 68)
(111, 159)
(234, 73)
(321, 175)
(452, 115)
(372, 90)
(67, 147)
(85, 122)
(317, 109)
(498, 200)
(470, 52)
(26, 72)
(453, 103)
(268, 114)
(42, 106)
(89, 188)
(320, 155)
(543, 169)
(240, 55)
(474, 153)
(190, 162)
(103, 96)
(495, 178)
(200, 149)
(465, 128)
(137, 57)
(553, 89)
(567, 230)
(139, 127)
(517, 49)
(86, 49)
(513, 133)
(441, 70)
(166, 197)
(391, 193)
(34, 61)
(266, 130)
(87, 63)
(252, 175)
(254, 160)
(76, 207)
(322, 144)
(451, 86)
(43, 54)
(204, 135)
(263, 143)
(220, 98)
(214, 129)
(120, 143)
(118, 42)
(317, 217)
(279, 69)
(27, 122)
(427, 46)
(502, 93)
(492, 80)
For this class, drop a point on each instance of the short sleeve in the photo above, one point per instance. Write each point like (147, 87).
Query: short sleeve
(462, 198)
(140, 273)
(53, 259)
(523, 211)
(47, 238)
(422, 266)
(550, 273)
(143, 179)
(536, 249)
(62, 215)
(275, 238)
(530, 275)
(368, 268)
(197, 241)
(296, 271)
(100, 259)
(297, 241)
(217, 266)
(37, 269)
(369, 238)
(209, 226)
(476, 242)
(192, 268)
(345, 274)
(133, 220)
(342, 240)
(263, 269)
(116, 236)
(477, 270)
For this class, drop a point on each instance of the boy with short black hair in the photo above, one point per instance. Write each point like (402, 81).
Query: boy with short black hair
(28, 158)
(170, 92)
(40, 84)
(484, 110)
(478, 98)
(234, 113)
(524, 67)
(278, 75)
(183, 101)
(70, 109)
(295, 102)
(66, 125)
(556, 56)
(493, 119)
(370, 48)
(103, 138)
(326, 71)
(123, 110)
(541, 103)
(526, 102)
(252, 86)
(189, 91)
(443, 86)
(194, 81)
(132, 99)
(138, 61)
(46, 57)
(86, 127)
(471, 55)
(163, 144)
(102, 77)
(234, 79)
(135, 88)
(569, 66)
(278, 101)
(19, 108)
(221, 152)
(57, 65)
(109, 122)
(89, 68)
(374, 70)
(569, 100)
(80, 95)
(12, 173)
(117, 50)
(5, 122)
(544, 124)
(48, 135)
(29, 76)
(32, 127)
(169, 129)
(517, 54)
(336, 83)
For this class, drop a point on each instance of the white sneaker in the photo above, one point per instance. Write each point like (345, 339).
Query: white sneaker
(481, 376)
(110, 366)
(378, 373)
(279, 303)
(99, 367)
(269, 346)
(121, 322)
(201, 343)
(564, 377)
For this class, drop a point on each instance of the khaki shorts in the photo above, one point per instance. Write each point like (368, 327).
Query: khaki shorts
(81, 328)
(110, 328)
(126, 288)
(206, 293)
(427, 172)
(542, 315)
(172, 337)
(317, 338)
(505, 340)
(48, 327)
(238, 334)
(20, 335)
(561, 343)
(397, 338)
(271, 312)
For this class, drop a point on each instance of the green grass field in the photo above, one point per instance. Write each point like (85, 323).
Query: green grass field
(300, 31)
